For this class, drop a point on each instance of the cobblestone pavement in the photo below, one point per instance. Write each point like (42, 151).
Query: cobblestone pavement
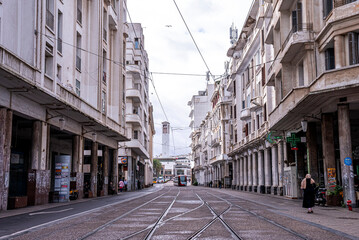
(169, 212)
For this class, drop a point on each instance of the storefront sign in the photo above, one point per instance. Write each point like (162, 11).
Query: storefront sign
(331, 177)
(293, 140)
(348, 161)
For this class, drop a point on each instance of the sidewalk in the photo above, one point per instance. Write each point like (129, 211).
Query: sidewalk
(336, 219)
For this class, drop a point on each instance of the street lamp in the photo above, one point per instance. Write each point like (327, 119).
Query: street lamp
(304, 124)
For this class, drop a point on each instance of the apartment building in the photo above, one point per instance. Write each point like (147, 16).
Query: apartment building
(61, 99)
(136, 151)
(298, 99)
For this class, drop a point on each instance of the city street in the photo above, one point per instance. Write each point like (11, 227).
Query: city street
(168, 212)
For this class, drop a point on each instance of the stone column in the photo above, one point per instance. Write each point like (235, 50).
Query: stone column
(275, 169)
(328, 149)
(245, 173)
(267, 171)
(280, 167)
(5, 151)
(339, 51)
(261, 172)
(114, 175)
(238, 173)
(250, 175)
(130, 175)
(255, 171)
(345, 146)
(241, 173)
(234, 180)
(94, 168)
(105, 170)
(312, 151)
(77, 162)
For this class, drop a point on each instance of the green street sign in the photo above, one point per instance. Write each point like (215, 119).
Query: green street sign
(271, 138)
(293, 140)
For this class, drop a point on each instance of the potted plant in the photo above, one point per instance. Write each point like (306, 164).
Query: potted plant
(335, 196)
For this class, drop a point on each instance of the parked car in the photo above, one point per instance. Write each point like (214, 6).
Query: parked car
(154, 180)
(160, 180)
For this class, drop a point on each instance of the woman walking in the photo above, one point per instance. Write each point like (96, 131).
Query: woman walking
(308, 185)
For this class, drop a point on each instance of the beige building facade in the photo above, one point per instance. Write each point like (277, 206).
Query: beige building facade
(62, 108)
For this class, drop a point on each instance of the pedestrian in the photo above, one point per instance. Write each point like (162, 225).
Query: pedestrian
(308, 186)
(121, 185)
(125, 182)
(210, 184)
(219, 184)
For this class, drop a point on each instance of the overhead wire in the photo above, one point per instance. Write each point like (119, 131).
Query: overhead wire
(194, 41)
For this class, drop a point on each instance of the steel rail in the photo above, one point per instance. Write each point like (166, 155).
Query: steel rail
(215, 218)
(264, 218)
(118, 218)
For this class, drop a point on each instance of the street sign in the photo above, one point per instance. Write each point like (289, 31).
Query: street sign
(348, 161)
(271, 138)
(293, 140)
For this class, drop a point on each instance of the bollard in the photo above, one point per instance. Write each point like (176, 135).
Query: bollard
(349, 202)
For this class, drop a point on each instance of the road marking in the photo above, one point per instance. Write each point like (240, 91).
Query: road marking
(38, 213)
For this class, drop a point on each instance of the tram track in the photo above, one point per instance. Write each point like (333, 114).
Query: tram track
(263, 218)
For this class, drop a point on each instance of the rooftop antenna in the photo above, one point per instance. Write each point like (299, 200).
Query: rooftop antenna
(233, 33)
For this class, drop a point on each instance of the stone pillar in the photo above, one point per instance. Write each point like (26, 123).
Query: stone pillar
(261, 172)
(312, 151)
(345, 146)
(245, 171)
(267, 171)
(241, 173)
(250, 172)
(39, 177)
(328, 149)
(130, 175)
(255, 171)
(5, 151)
(77, 162)
(339, 51)
(105, 170)
(94, 168)
(234, 167)
(280, 167)
(275, 169)
(114, 174)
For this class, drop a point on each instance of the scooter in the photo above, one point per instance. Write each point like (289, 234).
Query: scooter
(321, 196)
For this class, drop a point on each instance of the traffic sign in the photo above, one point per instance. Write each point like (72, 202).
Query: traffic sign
(348, 161)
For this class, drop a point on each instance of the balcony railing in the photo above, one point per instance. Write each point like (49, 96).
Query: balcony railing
(78, 63)
(297, 28)
(50, 19)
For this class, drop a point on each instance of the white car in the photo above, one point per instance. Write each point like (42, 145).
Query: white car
(160, 180)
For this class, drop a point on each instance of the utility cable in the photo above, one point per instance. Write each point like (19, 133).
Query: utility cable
(159, 100)
(189, 31)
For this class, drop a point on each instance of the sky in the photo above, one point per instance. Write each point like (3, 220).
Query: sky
(171, 50)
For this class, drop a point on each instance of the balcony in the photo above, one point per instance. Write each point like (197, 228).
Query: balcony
(285, 5)
(135, 94)
(256, 103)
(113, 18)
(245, 114)
(214, 142)
(134, 119)
(136, 146)
(298, 38)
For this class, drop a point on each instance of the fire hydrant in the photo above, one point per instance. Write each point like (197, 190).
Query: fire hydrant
(349, 202)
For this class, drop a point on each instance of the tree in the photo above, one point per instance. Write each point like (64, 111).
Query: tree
(157, 166)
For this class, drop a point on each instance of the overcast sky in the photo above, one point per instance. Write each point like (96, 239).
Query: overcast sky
(171, 50)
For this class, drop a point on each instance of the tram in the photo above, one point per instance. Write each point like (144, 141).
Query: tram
(180, 180)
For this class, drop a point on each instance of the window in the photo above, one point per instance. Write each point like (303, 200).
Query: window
(136, 62)
(104, 63)
(78, 52)
(329, 59)
(234, 88)
(297, 24)
(137, 43)
(135, 134)
(49, 60)
(59, 31)
(78, 87)
(124, 88)
(103, 101)
(300, 74)
(235, 112)
(265, 112)
(59, 73)
(50, 14)
(79, 11)
(104, 25)
(353, 48)
(327, 7)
